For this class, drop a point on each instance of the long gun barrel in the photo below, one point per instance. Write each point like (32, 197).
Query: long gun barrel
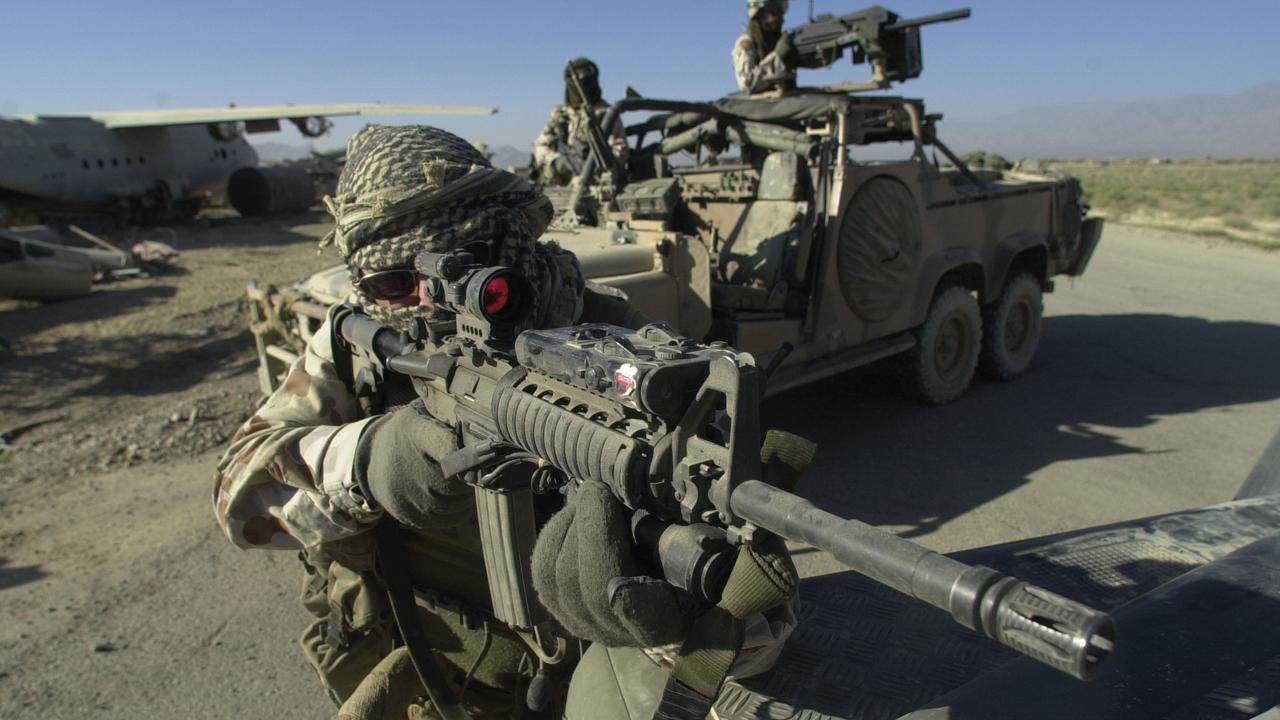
(524, 400)
(1057, 631)
(961, 14)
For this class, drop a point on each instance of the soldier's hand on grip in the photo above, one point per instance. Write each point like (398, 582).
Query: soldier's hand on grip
(786, 50)
(585, 573)
(398, 465)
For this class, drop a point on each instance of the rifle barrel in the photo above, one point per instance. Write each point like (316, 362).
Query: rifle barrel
(1057, 631)
(948, 16)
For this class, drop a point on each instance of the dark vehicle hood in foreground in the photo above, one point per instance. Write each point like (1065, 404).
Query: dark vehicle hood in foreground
(1191, 592)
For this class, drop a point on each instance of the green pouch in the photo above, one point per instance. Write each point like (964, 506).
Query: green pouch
(350, 635)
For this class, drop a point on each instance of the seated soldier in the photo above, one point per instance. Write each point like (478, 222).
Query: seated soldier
(308, 472)
(562, 148)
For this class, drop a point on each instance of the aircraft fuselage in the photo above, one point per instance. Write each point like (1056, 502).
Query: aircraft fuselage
(81, 161)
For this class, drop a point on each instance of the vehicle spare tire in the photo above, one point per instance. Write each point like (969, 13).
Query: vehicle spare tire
(878, 250)
(272, 190)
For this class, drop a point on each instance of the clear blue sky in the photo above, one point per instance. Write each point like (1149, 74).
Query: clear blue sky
(131, 54)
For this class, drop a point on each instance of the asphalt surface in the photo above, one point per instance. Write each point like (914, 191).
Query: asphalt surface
(1155, 389)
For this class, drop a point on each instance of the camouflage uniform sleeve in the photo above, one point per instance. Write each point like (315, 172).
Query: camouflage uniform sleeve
(754, 73)
(286, 481)
(546, 147)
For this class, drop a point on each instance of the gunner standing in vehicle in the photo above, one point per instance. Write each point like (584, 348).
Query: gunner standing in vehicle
(763, 58)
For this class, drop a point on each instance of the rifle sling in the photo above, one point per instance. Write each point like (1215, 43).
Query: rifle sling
(395, 575)
(716, 638)
(759, 581)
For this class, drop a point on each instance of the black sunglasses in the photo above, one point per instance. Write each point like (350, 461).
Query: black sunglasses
(401, 282)
(389, 284)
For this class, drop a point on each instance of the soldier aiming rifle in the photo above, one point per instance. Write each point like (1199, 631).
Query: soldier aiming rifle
(348, 471)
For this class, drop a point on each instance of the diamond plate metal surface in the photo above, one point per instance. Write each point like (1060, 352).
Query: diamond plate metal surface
(865, 652)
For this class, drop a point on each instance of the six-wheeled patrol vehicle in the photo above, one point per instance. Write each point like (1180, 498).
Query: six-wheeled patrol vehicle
(763, 223)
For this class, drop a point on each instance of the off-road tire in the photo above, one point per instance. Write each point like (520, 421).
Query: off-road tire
(1011, 328)
(941, 365)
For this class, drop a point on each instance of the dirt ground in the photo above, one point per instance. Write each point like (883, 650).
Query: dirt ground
(113, 408)
(144, 370)
(120, 599)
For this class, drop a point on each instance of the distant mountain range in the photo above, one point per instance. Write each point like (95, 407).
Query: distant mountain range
(1240, 125)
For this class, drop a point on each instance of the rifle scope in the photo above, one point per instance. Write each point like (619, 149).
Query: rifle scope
(457, 283)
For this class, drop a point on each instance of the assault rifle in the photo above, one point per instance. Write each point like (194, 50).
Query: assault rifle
(671, 427)
(875, 35)
(597, 141)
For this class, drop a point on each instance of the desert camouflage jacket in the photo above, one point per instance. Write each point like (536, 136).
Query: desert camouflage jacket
(754, 73)
(286, 481)
(566, 133)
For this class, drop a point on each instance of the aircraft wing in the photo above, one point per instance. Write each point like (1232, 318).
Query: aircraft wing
(200, 116)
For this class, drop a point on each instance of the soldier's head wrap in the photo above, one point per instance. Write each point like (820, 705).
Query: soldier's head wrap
(588, 76)
(405, 190)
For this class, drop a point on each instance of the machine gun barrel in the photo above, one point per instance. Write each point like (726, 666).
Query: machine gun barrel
(1059, 632)
(941, 17)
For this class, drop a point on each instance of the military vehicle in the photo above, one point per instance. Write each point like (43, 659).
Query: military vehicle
(796, 241)
(762, 221)
(146, 164)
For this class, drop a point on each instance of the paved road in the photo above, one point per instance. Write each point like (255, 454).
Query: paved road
(1156, 387)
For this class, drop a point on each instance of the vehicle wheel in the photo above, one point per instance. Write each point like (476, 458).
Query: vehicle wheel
(1011, 329)
(941, 365)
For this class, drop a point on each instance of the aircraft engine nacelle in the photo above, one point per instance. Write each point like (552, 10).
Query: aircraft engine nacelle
(225, 131)
(271, 190)
(313, 126)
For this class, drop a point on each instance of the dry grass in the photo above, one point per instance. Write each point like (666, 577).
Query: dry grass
(1231, 200)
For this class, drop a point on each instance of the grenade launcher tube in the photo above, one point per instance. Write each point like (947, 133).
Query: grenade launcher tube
(580, 447)
(1059, 632)
(575, 444)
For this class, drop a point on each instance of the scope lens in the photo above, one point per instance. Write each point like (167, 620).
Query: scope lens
(497, 294)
